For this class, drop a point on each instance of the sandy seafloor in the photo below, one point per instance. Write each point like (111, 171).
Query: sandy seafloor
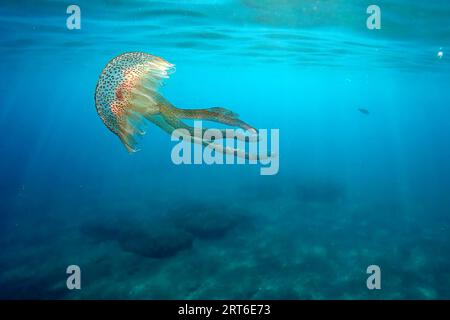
(228, 249)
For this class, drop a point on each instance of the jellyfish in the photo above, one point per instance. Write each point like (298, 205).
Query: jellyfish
(127, 96)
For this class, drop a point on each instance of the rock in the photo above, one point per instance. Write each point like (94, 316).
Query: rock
(154, 242)
(206, 221)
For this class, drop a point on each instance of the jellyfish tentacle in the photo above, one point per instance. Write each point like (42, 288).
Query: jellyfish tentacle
(175, 122)
(220, 115)
(160, 122)
(169, 125)
(215, 114)
(172, 117)
(167, 108)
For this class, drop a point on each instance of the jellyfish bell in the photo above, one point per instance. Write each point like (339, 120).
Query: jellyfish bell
(127, 96)
(127, 91)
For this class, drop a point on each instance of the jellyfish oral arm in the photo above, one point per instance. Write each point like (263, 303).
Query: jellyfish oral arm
(216, 114)
(172, 115)
(220, 150)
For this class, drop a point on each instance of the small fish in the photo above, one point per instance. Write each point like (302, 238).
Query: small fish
(364, 111)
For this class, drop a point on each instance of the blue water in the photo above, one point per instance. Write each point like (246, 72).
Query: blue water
(352, 190)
